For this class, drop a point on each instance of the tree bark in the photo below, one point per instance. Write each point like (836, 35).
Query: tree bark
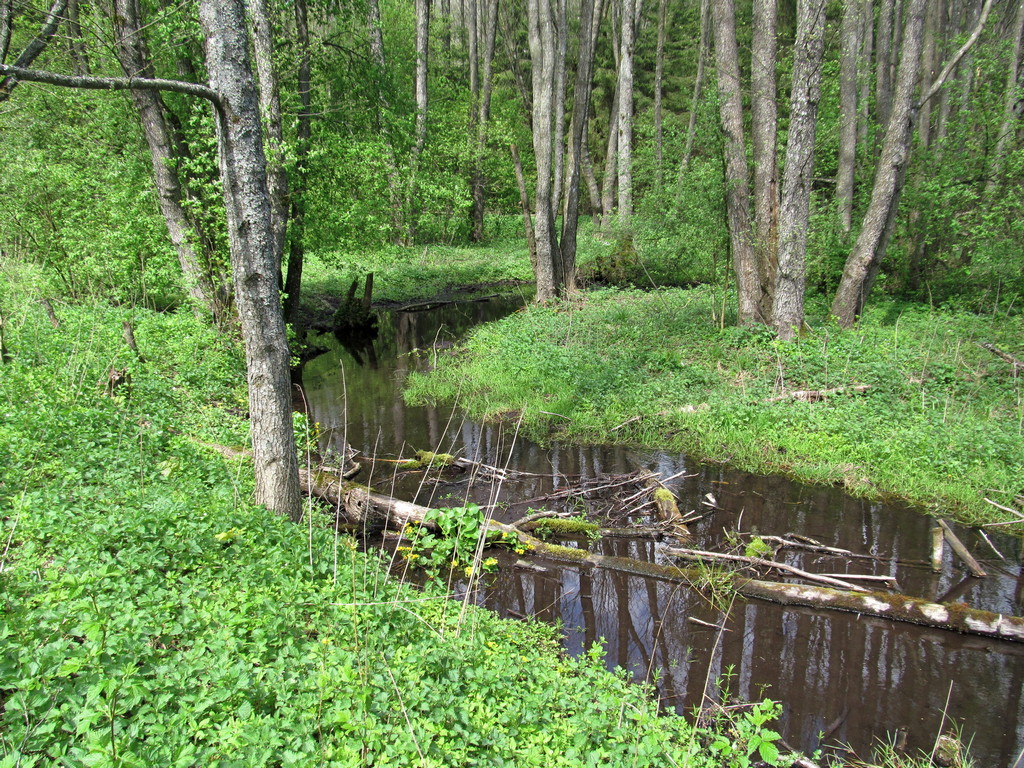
(255, 261)
(133, 56)
(1010, 101)
(764, 130)
(847, 160)
(483, 118)
(609, 181)
(862, 264)
(590, 12)
(561, 48)
(866, 53)
(737, 199)
(794, 217)
(698, 83)
(422, 72)
(883, 59)
(297, 246)
(270, 110)
(35, 46)
(630, 10)
(659, 76)
(6, 21)
(542, 54)
(76, 42)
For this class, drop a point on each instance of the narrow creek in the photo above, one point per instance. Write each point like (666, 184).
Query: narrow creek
(844, 680)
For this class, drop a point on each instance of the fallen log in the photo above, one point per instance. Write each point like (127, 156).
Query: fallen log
(816, 395)
(954, 617)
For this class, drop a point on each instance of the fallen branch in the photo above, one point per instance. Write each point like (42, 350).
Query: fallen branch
(976, 570)
(699, 555)
(816, 395)
(953, 617)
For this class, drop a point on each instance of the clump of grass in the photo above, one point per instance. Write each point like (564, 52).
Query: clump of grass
(912, 406)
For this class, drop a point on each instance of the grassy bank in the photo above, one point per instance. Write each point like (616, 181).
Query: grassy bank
(914, 407)
(152, 616)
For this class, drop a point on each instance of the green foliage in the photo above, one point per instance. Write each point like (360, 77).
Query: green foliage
(938, 424)
(153, 616)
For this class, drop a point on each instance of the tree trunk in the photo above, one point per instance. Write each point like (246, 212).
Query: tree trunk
(794, 217)
(561, 47)
(609, 180)
(542, 55)
(590, 12)
(270, 110)
(764, 129)
(482, 119)
(297, 246)
(883, 59)
(524, 204)
(737, 197)
(35, 46)
(6, 21)
(630, 10)
(847, 160)
(659, 75)
(422, 72)
(76, 42)
(698, 83)
(866, 52)
(862, 264)
(254, 259)
(130, 48)
(1010, 101)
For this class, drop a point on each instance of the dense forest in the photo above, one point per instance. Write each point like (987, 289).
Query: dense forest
(777, 159)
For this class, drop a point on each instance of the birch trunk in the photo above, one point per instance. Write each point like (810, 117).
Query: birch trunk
(253, 256)
(542, 54)
(794, 216)
(630, 9)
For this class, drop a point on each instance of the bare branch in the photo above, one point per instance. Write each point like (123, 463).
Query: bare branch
(35, 47)
(951, 65)
(106, 83)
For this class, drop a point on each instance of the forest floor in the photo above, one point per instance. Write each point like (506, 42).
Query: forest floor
(152, 615)
(908, 404)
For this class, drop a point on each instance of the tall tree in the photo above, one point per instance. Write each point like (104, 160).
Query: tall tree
(763, 130)
(794, 217)
(299, 187)
(1011, 104)
(737, 197)
(203, 281)
(847, 160)
(627, 40)
(482, 114)
(255, 261)
(542, 55)
(863, 263)
(422, 104)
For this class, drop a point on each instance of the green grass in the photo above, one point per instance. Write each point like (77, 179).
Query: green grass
(940, 424)
(150, 615)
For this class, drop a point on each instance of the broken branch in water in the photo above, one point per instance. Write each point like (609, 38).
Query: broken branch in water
(698, 554)
(976, 570)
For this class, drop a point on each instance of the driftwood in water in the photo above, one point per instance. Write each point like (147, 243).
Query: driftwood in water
(957, 546)
(362, 504)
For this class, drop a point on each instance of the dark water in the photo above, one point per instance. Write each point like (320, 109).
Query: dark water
(843, 679)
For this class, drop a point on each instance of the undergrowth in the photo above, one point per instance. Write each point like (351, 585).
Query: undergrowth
(919, 409)
(152, 616)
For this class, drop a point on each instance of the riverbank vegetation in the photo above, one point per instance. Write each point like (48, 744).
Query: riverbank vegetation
(908, 405)
(152, 615)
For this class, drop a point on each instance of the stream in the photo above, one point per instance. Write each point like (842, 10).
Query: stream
(845, 681)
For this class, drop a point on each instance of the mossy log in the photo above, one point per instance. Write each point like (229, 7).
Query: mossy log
(362, 505)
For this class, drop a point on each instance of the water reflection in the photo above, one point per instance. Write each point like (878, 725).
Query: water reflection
(843, 679)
